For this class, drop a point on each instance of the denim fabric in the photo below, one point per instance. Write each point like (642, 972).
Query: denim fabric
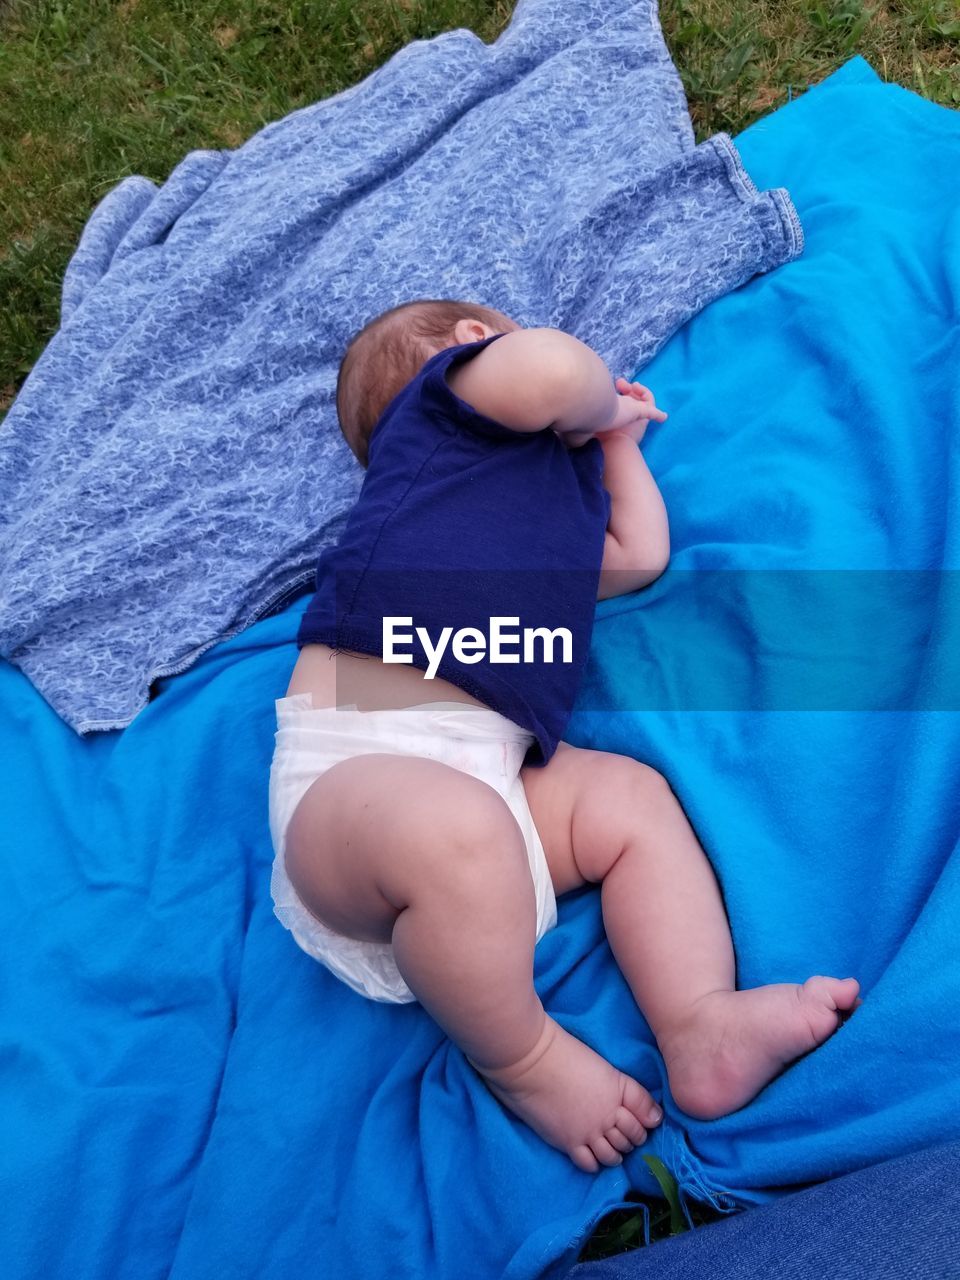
(173, 467)
(893, 1221)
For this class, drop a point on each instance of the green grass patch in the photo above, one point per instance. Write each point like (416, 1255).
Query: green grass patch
(94, 90)
(740, 59)
(626, 1229)
(91, 91)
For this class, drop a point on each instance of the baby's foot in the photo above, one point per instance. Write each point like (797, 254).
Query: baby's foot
(575, 1100)
(732, 1043)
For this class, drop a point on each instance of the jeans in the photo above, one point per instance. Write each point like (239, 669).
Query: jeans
(893, 1221)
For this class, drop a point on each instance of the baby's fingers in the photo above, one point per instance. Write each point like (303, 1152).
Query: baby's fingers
(644, 396)
(632, 389)
(637, 391)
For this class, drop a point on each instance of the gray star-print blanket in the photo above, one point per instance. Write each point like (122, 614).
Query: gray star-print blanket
(173, 465)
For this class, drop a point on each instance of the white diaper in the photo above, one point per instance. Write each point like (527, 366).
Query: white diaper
(310, 740)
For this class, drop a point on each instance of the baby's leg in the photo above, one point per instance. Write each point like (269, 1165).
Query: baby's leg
(408, 850)
(604, 817)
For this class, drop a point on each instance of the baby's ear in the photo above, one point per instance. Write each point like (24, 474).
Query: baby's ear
(469, 330)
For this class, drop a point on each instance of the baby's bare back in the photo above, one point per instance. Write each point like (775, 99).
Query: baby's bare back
(342, 678)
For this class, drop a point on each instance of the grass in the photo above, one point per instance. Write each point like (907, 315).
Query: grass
(624, 1230)
(94, 90)
(738, 61)
(627, 1229)
(91, 91)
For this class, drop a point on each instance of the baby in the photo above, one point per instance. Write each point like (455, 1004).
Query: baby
(424, 810)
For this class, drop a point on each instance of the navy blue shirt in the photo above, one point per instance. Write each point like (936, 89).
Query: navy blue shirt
(461, 520)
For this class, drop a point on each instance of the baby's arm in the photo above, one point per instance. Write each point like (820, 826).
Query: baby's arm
(637, 546)
(536, 378)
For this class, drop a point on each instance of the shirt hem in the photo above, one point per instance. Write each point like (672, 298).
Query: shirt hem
(505, 701)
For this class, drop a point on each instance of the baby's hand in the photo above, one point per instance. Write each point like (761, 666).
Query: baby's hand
(637, 391)
(637, 407)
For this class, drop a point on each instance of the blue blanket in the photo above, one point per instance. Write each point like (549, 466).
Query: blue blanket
(810, 468)
(173, 465)
(186, 1095)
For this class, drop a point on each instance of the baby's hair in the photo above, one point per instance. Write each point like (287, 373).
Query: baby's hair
(391, 350)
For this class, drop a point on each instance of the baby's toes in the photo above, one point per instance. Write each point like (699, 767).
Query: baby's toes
(619, 1140)
(831, 993)
(637, 1101)
(604, 1152)
(630, 1127)
(827, 1003)
(847, 994)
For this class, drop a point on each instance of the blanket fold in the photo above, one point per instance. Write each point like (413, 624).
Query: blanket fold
(173, 467)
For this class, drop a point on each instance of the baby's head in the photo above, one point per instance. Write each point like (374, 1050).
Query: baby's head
(392, 349)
